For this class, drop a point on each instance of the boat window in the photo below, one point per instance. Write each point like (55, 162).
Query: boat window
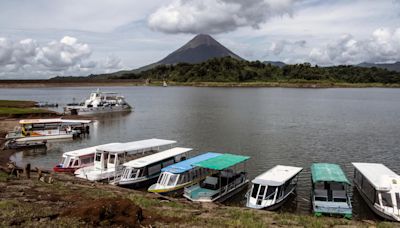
(255, 190)
(98, 156)
(182, 179)
(398, 200)
(154, 169)
(125, 174)
(160, 177)
(133, 173)
(172, 180)
(71, 162)
(63, 160)
(270, 190)
(76, 163)
(167, 163)
(164, 178)
(368, 190)
(387, 199)
(262, 190)
(111, 159)
(87, 160)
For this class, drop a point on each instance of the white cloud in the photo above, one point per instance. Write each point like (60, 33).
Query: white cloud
(67, 56)
(63, 54)
(383, 45)
(216, 16)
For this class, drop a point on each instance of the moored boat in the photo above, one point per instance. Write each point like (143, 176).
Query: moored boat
(99, 102)
(108, 159)
(223, 184)
(145, 170)
(39, 130)
(380, 188)
(174, 178)
(330, 190)
(272, 188)
(76, 159)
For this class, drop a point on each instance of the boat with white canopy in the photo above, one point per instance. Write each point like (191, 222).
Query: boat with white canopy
(330, 190)
(99, 102)
(76, 159)
(380, 188)
(175, 177)
(228, 179)
(144, 170)
(108, 159)
(38, 130)
(272, 188)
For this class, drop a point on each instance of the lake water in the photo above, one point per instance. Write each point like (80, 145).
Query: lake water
(272, 125)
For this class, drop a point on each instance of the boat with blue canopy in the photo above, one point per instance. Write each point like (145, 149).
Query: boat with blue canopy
(227, 180)
(175, 177)
(330, 190)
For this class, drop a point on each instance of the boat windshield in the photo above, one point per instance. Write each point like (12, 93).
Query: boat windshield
(63, 160)
(270, 192)
(168, 179)
(387, 199)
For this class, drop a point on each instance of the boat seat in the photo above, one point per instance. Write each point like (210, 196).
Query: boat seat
(339, 196)
(321, 194)
(210, 183)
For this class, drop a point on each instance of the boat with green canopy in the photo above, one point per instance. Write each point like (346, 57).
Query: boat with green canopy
(329, 190)
(229, 178)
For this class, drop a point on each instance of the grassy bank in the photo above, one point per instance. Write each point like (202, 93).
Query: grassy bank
(11, 108)
(20, 199)
(284, 84)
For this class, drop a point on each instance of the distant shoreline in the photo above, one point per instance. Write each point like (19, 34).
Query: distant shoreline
(126, 82)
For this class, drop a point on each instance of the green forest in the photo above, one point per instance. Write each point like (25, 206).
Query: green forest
(232, 70)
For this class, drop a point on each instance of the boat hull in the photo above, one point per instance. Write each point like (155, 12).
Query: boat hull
(274, 206)
(44, 138)
(97, 110)
(64, 170)
(373, 208)
(138, 183)
(223, 197)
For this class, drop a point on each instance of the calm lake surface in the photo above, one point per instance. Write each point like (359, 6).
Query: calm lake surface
(272, 125)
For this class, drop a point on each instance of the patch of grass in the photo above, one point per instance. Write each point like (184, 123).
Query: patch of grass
(97, 193)
(386, 225)
(18, 111)
(3, 177)
(308, 220)
(144, 201)
(16, 104)
(244, 218)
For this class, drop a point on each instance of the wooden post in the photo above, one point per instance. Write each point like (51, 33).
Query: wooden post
(27, 171)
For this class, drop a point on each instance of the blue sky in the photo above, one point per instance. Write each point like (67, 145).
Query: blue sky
(44, 38)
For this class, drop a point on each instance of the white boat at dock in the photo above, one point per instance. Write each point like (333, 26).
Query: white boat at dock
(76, 159)
(272, 188)
(223, 184)
(99, 102)
(144, 170)
(108, 159)
(39, 130)
(380, 188)
(174, 178)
